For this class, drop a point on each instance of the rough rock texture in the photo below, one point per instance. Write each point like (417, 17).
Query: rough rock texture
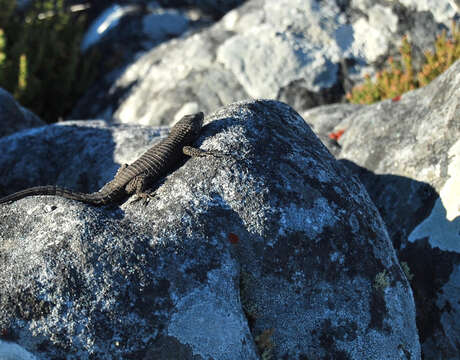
(303, 52)
(13, 117)
(272, 242)
(407, 154)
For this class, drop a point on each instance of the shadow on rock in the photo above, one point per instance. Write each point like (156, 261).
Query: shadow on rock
(76, 157)
(428, 247)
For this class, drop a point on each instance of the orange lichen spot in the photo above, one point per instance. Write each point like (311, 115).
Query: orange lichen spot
(233, 238)
(336, 135)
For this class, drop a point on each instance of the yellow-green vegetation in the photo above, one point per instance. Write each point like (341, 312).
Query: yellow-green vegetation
(265, 344)
(400, 77)
(40, 60)
(381, 281)
(2, 50)
(22, 76)
(247, 280)
(406, 270)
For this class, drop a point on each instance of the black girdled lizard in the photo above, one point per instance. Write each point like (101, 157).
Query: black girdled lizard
(136, 178)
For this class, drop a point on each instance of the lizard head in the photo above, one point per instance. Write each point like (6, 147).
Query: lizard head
(189, 126)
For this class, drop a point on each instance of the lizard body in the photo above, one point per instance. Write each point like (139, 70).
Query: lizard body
(138, 176)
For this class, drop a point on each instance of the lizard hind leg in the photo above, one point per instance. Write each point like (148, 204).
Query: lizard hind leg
(140, 187)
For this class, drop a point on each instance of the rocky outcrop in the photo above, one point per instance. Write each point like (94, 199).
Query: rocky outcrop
(13, 117)
(407, 154)
(268, 250)
(303, 52)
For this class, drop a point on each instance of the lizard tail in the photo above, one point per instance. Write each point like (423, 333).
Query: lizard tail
(95, 198)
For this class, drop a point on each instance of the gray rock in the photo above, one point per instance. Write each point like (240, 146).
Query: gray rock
(13, 117)
(272, 242)
(381, 25)
(12, 351)
(303, 52)
(324, 120)
(407, 154)
(296, 32)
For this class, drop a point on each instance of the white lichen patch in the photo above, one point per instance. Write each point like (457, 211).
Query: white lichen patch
(442, 227)
(381, 31)
(210, 320)
(311, 221)
(12, 351)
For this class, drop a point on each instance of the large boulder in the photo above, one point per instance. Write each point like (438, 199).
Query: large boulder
(407, 154)
(303, 52)
(269, 249)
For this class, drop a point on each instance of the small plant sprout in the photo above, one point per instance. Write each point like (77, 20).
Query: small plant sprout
(381, 281)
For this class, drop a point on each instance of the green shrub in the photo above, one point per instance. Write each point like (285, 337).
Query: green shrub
(447, 51)
(40, 60)
(399, 77)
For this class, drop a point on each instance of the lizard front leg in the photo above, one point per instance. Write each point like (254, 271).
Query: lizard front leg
(195, 152)
(121, 168)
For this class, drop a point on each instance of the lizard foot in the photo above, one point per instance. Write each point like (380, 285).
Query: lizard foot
(144, 196)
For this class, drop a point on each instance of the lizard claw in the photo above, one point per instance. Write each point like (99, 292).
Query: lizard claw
(144, 196)
(133, 200)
